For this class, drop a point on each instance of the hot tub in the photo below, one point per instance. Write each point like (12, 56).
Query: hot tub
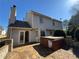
(52, 42)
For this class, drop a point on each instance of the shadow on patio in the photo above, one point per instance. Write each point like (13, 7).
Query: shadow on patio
(24, 44)
(76, 52)
(43, 51)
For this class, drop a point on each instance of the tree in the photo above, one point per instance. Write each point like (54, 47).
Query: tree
(74, 20)
(65, 24)
(75, 8)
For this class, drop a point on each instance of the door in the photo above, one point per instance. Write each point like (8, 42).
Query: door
(22, 37)
(26, 36)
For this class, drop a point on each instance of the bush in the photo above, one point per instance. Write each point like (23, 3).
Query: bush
(68, 33)
(77, 34)
(72, 32)
(59, 33)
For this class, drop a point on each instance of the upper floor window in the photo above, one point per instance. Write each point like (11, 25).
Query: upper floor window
(53, 23)
(57, 23)
(41, 19)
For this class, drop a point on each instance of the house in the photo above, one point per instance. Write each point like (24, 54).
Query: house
(1, 29)
(33, 26)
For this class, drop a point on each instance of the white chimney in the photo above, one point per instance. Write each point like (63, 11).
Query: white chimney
(12, 18)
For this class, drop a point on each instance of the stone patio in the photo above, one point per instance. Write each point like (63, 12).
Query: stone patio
(35, 51)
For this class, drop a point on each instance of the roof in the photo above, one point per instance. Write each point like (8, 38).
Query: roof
(18, 23)
(37, 13)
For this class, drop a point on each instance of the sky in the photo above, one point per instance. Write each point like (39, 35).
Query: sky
(54, 8)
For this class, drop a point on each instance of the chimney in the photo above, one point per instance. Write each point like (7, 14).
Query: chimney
(12, 18)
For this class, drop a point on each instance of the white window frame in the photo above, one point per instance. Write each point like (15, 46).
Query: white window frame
(23, 37)
(41, 19)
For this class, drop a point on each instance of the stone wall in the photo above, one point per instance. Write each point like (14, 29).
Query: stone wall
(6, 48)
(3, 51)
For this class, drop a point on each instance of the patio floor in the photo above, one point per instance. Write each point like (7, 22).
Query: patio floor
(35, 51)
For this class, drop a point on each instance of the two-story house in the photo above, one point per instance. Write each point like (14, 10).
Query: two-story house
(1, 29)
(44, 25)
(30, 30)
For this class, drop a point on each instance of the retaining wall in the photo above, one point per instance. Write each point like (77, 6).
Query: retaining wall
(7, 47)
(3, 51)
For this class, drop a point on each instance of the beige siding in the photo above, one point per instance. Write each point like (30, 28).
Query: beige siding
(0, 32)
(34, 20)
(14, 36)
(29, 18)
(33, 36)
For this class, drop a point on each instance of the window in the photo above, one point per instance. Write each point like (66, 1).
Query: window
(53, 23)
(42, 33)
(41, 19)
(56, 23)
(50, 32)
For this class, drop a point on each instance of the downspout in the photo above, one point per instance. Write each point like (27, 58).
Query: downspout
(10, 32)
(32, 20)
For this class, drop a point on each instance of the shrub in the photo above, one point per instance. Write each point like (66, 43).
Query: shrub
(59, 33)
(77, 34)
(68, 33)
(72, 32)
